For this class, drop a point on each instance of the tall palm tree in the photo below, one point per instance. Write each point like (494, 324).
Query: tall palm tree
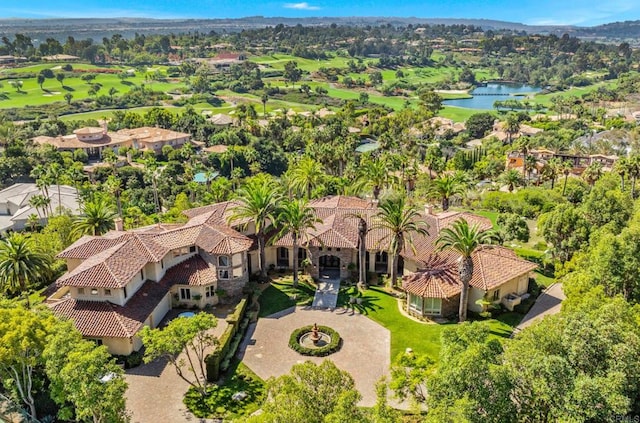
(633, 169)
(21, 264)
(566, 168)
(375, 173)
(296, 217)
(524, 145)
(97, 217)
(464, 240)
(113, 185)
(551, 169)
(592, 173)
(39, 202)
(258, 203)
(511, 126)
(445, 187)
(55, 173)
(511, 178)
(306, 175)
(621, 167)
(401, 222)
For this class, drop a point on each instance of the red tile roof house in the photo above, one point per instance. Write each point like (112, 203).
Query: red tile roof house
(122, 281)
(430, 278)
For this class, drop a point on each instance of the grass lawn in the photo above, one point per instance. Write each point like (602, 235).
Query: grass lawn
(219, 402)
(458, 114)
(280, 295)
(423, 338)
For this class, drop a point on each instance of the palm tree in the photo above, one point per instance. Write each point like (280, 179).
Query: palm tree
(511, 126)
(592, 173)
(97, 217)
(306, 175)
(21, 264)
(41, 80)
(264, 99)
(39, 202)
(524, 145)
(621, 167)
(113, 185)
(464, 240)
(258, 203)
(445, 187)
(55, 172)
(633, 168)
(566, 168)
(296, 217)
(401, 222)
(511, 178)
(551, 169)
(33, 221)
(375, 174)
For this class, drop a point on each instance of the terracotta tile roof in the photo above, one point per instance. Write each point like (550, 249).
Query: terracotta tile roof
(492, 267)
(193, 271)
(102, 319)
(341, 202)
(111, 268)
(438, 280)
(216, 239)
(495, 265)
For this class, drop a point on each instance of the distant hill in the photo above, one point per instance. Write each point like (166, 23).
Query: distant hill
(97, 28)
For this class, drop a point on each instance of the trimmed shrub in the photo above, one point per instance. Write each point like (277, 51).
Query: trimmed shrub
(330, 348)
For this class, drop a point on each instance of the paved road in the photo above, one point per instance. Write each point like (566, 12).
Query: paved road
(549, 302)
(365, 353)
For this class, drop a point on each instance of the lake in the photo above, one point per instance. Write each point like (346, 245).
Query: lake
(484, 97)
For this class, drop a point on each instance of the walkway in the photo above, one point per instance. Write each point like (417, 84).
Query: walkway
(327, 292)
(548, 303)
(365, 352)
(155, 390)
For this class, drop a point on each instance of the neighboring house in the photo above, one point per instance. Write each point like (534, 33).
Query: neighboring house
(120, 282)
(223, 61)
(94, 140)
(221, 120)
(15, 208)
(578, 162)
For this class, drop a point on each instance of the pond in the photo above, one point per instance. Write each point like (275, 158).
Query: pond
(485, 96)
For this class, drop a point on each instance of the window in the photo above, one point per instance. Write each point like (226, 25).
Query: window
(80, 291)
(432, 306)
(125, 291)
(496, 295)
(223, 274)
(162, 264)
(209, 291)
(94, 291)
(142, 274)
(185, 293)
(107, 292)
(223, 261)
(415, 303)
(192, 249)
(97, 341)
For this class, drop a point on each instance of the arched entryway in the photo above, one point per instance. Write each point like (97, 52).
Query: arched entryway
(329, 266)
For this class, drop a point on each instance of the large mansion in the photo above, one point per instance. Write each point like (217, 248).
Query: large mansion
(94, 140)
(124, 280)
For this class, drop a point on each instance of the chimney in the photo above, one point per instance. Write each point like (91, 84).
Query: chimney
(429, 209)
(119, 224)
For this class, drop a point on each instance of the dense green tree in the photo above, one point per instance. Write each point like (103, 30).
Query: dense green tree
(306, 175)
(479, 124)
(21, 264)
(512, 227)
(566, 229)
(312, 393)
(445, 187)
(184, 342)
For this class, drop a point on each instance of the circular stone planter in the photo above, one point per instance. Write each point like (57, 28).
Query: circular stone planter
(329, 342)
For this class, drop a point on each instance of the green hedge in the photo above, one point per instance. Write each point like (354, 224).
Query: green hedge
(226, 347)
(330, 348)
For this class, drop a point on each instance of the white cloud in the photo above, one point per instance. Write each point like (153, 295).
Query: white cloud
(301, 6)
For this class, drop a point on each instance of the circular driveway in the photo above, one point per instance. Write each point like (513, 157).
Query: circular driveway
(365, 351)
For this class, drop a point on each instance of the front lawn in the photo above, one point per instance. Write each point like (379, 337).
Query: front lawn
(280, 294)
(423, 338)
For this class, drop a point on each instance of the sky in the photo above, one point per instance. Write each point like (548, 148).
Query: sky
(532, 12)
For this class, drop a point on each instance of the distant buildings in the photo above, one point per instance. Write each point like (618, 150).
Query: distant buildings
(15, 207)
(578, 161)
(94, 140)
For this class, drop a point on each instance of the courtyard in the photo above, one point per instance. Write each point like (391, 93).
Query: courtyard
(365, 352)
